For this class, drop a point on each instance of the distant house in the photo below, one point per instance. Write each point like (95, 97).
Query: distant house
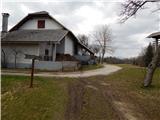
(41, 35)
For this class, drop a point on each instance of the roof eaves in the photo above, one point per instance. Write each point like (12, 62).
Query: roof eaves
(63, 36)
(81, 43)
(154, 35)
(30, 15)
(19, 23)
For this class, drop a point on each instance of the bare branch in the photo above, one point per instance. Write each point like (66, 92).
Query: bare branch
(131, 7)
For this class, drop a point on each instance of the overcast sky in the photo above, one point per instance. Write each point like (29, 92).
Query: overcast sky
(83, 17)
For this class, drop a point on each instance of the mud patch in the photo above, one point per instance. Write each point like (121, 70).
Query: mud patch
(123, 107)
(104, 84)
(92, 87)
(124, 110)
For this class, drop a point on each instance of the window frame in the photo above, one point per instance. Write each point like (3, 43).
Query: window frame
(41, 24)
(46, 51)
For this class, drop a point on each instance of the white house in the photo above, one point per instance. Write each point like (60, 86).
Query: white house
(41, 35)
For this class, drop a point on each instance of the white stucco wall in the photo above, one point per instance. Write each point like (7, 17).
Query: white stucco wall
(69, 45)
(43, 46)
(22, 49)
(79, 50)
(49, 24)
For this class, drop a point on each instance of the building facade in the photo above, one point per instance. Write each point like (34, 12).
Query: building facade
(38, 34)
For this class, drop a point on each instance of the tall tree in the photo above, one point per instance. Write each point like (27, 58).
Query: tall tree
(152, 67)
(96, 49)
(148, 55)
(102, 35)
(83, 39)
(129, 9)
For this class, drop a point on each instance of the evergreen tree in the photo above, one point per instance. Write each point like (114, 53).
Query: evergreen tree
(148, 55)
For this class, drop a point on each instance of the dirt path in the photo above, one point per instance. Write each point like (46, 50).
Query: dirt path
(75, 101)
(107, 69)
(90, 99)
(86, 102)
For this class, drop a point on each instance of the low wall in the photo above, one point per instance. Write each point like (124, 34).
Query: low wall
(48, 65)
(19, 65)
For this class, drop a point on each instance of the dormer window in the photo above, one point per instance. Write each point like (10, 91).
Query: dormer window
(41, 24)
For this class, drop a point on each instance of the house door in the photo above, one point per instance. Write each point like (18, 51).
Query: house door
(46, 57)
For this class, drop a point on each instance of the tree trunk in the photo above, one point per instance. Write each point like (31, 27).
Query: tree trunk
(100, 57)
(151, 68)
(103, 57)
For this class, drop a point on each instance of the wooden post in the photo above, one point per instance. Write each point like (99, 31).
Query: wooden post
(32, 73)
(33, 57)
(54, 53)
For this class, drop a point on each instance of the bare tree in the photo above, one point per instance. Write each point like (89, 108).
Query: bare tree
(102, 35)
(83, 39)
(96, 49)
(16, 52)
(130, 8)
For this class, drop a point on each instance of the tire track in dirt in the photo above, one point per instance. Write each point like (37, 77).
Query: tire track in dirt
(122, 108)
(75, 103)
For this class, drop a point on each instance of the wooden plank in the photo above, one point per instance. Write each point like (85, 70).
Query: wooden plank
(33, 57)
(32, 73)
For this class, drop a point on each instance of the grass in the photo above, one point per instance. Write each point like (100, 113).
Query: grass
(46, 101)
(91, 67)
(96, 107)
(127, 86)
(49, 97)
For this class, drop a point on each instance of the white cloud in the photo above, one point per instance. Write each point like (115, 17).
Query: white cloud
(25, 9)
(92, 17)
(84, 16)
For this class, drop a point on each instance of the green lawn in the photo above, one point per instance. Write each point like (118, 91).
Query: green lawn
(49, 98)
(46, 101)
(91, 67)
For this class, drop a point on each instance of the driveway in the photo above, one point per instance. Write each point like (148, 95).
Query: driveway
(107, 69)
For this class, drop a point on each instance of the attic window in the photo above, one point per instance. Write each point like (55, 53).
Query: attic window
(41, 24)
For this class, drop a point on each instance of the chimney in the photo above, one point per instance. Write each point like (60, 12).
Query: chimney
(5, 22)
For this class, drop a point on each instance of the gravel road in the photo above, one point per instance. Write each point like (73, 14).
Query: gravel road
(107, 69)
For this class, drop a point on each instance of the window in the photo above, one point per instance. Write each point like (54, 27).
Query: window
(41, 24)
(46, 52)
(46, 56)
